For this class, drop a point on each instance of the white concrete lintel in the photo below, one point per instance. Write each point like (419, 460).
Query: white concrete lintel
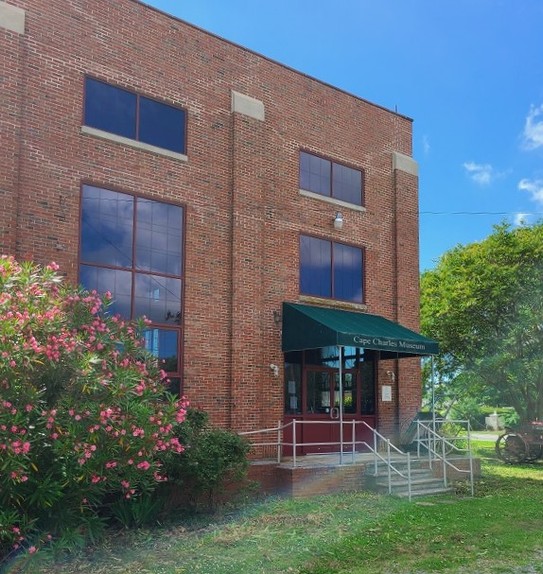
(12, 18)
(248, 106)
(404, 163)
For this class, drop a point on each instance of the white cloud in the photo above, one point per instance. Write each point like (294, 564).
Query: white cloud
(534, 187)
(480, 173)
(533, 128)
(426, 144)
(521, 219)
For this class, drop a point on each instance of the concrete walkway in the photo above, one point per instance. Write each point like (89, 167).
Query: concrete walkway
(490, 437)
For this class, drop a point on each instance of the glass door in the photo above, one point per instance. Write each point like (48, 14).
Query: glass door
(318, 393)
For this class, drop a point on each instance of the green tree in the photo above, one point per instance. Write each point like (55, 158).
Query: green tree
(484, 304)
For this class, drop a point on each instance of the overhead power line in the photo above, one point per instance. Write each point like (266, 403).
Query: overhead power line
(481, 212)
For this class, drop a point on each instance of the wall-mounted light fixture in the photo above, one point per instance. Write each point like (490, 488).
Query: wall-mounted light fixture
(277, 318)
(338, 220)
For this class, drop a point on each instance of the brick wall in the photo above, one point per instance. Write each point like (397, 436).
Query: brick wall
(11, 93)
(244, 213)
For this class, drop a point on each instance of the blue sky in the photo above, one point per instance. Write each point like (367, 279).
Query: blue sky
(469, 72)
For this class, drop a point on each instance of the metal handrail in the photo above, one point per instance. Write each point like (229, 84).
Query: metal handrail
(388, 461)
(377, 456)
(435, 442)
(430, 438)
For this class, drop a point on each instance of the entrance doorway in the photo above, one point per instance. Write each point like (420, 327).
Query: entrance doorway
(313, 392)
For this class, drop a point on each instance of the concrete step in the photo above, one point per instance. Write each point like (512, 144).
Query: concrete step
(423, 492)
(416, 464)
(415, 481)
(415, 472)
(423, 482)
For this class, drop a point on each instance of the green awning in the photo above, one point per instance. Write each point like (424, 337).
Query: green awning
(310, 327)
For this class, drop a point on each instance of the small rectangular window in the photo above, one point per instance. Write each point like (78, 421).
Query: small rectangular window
(161, 125)
(110, 109)
(127, 114)
(332, 270)
(331, 179)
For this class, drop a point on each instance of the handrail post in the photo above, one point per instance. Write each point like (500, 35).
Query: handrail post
(294, 442)
(389, 468)
(375, 454)
(470, 460)
(444, 461)
(354, 439)
(409, 475)
(429, 447)
(279, 442)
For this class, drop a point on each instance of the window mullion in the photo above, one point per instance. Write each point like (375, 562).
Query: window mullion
(332, 274)
(137, 117)
(134, 266)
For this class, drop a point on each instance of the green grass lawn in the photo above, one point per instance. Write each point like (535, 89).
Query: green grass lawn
(499, 531)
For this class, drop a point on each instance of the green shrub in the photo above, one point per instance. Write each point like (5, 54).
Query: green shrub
(212, 458)
(137, 512)
(510, 417)
(84, 412)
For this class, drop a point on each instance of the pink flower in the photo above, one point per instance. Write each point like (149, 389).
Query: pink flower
(144, 465)
(32, 550)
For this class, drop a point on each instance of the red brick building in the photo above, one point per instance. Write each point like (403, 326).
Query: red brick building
(265, 222)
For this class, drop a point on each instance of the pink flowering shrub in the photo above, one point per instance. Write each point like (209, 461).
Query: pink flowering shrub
(84, 413)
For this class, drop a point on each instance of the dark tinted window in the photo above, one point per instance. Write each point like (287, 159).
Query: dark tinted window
(159, 228)
(117, 282)
(110, 109)
(347, 184)
(315, 174)
(331, 179)
(347, 273)
(157, 297)
(329, 269)
(130, 115)
(315, 267)
(162, 125)
(133, 248)
(107, 227)
(164, 345)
